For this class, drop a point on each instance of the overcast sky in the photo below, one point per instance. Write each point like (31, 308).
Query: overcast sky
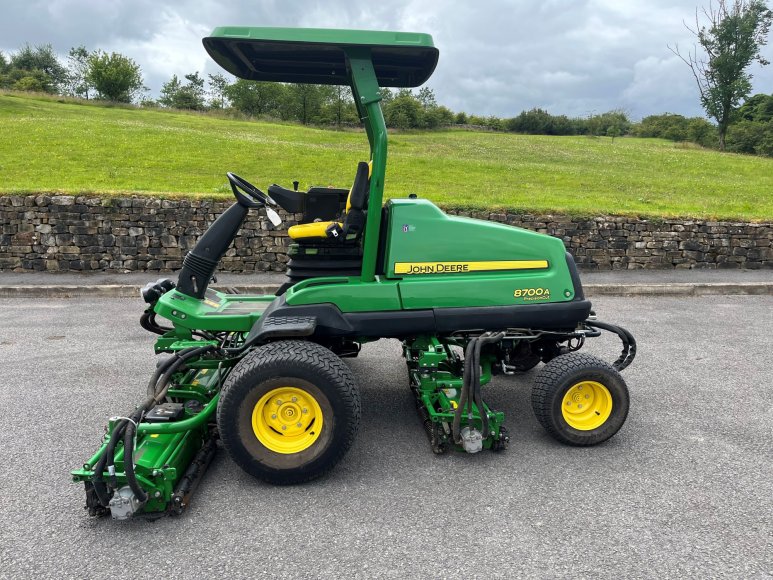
(497, 57)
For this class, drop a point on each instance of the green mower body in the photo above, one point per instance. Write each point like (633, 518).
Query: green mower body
(467, 298)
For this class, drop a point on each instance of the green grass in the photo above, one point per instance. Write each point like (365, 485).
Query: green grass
(50, 146)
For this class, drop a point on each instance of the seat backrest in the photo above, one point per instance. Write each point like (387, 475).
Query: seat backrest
(357, 201)
(358, 194)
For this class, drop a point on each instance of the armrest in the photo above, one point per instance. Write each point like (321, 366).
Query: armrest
(288, 199)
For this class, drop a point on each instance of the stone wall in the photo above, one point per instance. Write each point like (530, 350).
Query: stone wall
(67, 233)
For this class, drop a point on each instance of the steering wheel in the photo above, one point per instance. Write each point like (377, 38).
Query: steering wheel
(253, 198)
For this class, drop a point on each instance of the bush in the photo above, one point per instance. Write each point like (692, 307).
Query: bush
(678, 128)
(702, 132)
(751, 137)
(404, 112)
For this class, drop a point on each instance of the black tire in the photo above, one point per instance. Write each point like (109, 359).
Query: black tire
(556, 379)
(301, 365)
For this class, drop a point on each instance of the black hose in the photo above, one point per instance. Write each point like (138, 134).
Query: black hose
(148, 322)
(97, 480)
(471, 389)
(128, 463)
(629, 342)
(161, 387)
(464, 395)
(483, 340)
(163, 366)
(124, 426)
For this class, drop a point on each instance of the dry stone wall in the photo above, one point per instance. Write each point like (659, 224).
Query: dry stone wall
(82, 233)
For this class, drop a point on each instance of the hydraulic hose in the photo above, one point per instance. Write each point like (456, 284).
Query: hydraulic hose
(148, 322)
(126, 427)
(483, 340)
(128, 463)
(162, 367)
(161, 387)
(464, 395)
(97, 480)
(471, 391)
(629, 342)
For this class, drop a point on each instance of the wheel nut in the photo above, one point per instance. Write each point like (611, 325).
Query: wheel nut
(579, 406)
(587, 396)
(273, 415)
(284, 427)
(305, 410)
(295, 399)
(298, 425)
(278, 401)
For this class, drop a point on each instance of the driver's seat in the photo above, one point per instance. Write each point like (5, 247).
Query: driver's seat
(350, 229)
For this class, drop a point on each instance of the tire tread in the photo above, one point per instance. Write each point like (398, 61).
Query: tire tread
(310, 355)
(549, 380)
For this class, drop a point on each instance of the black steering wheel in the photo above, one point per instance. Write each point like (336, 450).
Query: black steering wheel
(253, 198)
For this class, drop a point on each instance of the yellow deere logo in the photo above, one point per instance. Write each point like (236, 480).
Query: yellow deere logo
(461, 267)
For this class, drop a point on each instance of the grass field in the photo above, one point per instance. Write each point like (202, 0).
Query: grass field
(47, 146)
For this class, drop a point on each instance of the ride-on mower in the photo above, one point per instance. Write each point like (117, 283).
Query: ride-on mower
(468, 299)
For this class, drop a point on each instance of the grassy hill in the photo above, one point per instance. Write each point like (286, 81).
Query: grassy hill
(50, 146)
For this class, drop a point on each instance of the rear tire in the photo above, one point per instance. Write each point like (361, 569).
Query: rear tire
(580, 399)
(288, 412)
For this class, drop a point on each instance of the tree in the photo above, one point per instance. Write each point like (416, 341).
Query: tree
(114, 76)
(426, 97)
(339, 108)
(757, 108)
(386, 95)
(77, 69)
(190, 95)
(404, 112)
(169, 91)
(730, 40)
(305, 101)
(256, 98)
(40, 58)
(218, 86)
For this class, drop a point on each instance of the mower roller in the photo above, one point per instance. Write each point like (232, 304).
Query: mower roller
(263, 374)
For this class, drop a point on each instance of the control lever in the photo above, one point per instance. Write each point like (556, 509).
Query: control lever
(296, 184)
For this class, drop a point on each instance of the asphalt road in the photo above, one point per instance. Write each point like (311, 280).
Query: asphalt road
(684, 490)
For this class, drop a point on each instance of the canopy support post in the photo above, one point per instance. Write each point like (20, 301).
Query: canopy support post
(367, 97)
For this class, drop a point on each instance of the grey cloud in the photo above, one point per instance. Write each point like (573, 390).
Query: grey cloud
(497, 56)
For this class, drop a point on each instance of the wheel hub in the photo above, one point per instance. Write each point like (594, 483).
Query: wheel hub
(287, 420)
(586, 405)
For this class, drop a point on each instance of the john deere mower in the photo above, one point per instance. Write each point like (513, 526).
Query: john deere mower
(264, 375)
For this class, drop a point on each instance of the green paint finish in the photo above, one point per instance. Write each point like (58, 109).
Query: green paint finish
(318, 55)
(160, 460)
(453, 291)
(198, 420)
(365, 88)
(348, 294)
(218, 312)
(437, 380)
(420, 233)
(164, 450)
(331, 36)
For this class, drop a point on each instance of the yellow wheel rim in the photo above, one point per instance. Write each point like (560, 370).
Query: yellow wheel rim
(287, 420)
(587, 405)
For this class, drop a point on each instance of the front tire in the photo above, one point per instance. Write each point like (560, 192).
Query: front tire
(288, 412)
(579, 399)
